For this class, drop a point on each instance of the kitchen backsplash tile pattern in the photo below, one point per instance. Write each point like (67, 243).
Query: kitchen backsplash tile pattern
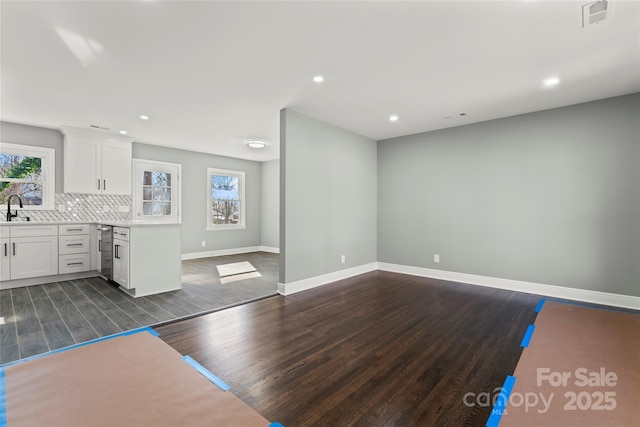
(83, 208)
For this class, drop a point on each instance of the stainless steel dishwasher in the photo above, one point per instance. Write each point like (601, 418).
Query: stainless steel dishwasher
(106, 251)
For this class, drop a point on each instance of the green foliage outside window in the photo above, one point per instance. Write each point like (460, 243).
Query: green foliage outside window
(21, 175)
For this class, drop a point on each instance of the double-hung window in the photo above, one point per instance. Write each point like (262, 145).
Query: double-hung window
(225, 193)
(28, 172)
(156, 191)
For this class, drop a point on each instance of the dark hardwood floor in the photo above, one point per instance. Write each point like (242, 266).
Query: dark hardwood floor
(380, 349)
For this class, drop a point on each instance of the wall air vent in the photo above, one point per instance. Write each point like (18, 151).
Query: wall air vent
(596, 12)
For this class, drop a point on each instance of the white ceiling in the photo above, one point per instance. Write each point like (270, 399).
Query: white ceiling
(213, 74)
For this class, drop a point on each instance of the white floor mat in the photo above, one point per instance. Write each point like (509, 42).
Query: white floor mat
(238, 277)
(235, 268)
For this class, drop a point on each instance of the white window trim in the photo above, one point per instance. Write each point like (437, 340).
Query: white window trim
(48, 156)
(137, 192)
(243, 211)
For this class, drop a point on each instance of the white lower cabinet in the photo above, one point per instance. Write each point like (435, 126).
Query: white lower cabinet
(37, 253)
(121, 256)
(5, 261)
(33, 256)
(74, 248)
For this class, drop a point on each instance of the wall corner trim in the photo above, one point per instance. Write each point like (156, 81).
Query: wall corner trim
(324, 279)
(583, 295)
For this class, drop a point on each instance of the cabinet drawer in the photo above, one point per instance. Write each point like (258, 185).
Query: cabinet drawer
(33, 230)
(73, 244)
(74, 263)
(4, 232)
(121, 233)
(71, 229)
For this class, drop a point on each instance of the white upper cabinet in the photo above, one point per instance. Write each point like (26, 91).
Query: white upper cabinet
(96, 162)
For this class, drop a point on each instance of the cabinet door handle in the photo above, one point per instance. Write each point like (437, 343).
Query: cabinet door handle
(104, 184)
(98, 184)
(116, 256)
(74, 263)
(14, 248)
(99, 245)
(6, 249)
(71, 245)
(74, 229)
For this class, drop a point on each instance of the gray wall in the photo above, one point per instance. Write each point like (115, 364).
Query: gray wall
(38, 137)
(194, 197)
(271, 204)
(550, 197)
(328, 198)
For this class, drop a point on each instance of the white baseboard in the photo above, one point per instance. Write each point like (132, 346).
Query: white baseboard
(270, 249)
(595, 297)
(233, 251)
(313, 282)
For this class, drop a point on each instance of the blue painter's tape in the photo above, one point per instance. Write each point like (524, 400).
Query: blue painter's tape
(275, 424)
(82, 344)
(527, 336)
(208, 375)
(3, 399)
(501, 402)
(539, 306)
(152, 331)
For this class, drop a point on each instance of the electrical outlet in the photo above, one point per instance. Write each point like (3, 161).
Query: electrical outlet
(61, 208)
(343, 259)
(204, 243)
(105, 208)
(436, 258)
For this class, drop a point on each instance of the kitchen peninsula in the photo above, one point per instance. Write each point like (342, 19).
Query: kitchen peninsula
(38, 252)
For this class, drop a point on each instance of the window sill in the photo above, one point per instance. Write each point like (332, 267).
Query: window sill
(225, 227)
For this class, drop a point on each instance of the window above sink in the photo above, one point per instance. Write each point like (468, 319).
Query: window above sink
(28, 172)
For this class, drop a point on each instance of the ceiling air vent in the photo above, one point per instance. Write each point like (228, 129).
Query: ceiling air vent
(596, 12)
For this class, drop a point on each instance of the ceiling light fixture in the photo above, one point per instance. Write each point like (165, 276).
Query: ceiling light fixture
(393, 118)
(256, 143)
(143, 117)
(551, 81)
(124, 132)
(318, 79)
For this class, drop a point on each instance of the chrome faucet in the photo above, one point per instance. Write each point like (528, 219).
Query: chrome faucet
(9, 214)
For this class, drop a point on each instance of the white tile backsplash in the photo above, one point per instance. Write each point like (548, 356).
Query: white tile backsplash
(83, 208)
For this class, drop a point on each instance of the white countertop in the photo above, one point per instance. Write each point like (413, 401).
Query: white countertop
(132, 223)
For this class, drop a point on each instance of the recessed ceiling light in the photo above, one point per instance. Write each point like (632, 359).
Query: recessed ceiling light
(256, 143)
(393, 118)
(143, 117)
(551, 81)
(318, 79)
(124, 132)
